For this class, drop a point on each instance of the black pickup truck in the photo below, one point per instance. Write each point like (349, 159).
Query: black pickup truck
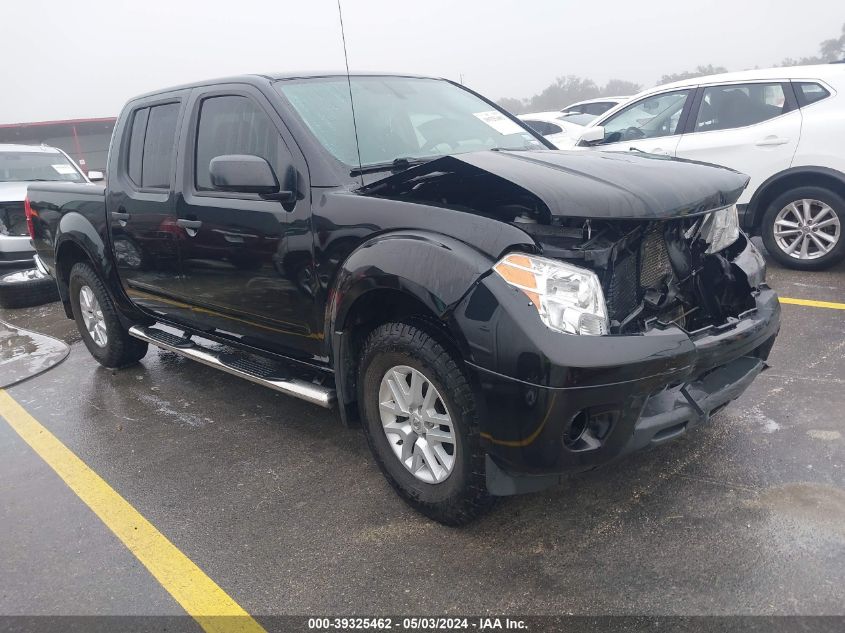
(492, 312)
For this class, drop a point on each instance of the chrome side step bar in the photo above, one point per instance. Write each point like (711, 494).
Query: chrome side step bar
(241, 367)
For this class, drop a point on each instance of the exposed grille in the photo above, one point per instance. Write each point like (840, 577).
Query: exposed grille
(654, 259)
(622, 293)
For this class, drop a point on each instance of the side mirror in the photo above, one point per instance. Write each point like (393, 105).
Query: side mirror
(592, 135)
(95, 176)
(244, 173)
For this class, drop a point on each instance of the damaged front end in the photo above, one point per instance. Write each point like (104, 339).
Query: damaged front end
(661, 271)
(637, 311)
(661, 235)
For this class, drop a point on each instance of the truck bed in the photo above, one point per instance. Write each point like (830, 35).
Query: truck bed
(58, 207)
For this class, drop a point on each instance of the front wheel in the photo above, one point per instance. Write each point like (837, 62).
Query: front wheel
(97, 321)
(802, 228)
(421, 422)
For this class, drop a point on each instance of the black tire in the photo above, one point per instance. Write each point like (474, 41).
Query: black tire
(821, 194)
(463, 495)
(120, 349)
(24, 288)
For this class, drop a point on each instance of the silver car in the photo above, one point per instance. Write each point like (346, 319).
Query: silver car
(21, 165)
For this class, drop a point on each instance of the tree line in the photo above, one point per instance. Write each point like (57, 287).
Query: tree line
(571, 88)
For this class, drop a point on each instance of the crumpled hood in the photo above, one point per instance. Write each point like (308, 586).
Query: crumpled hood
(603, 184)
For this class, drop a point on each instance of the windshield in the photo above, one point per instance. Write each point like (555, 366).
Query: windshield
(401, 117)
(29, 166)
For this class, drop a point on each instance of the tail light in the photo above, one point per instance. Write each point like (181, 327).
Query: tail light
(27, 209)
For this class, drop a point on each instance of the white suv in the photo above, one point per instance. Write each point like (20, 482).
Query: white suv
(784, 127)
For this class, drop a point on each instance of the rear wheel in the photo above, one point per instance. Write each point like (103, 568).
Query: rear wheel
(421, 422)
(97, 321)
(803, 227)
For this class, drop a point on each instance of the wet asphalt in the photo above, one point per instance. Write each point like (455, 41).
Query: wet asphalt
(286, 511)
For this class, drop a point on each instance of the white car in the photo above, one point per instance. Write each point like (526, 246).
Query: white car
(784, 127)
(559, 129)
(20, 165)
(596, 107)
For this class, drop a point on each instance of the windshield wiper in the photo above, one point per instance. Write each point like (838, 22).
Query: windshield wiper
(398, 164)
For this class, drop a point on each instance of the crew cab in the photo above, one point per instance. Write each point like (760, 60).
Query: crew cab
(493, 313)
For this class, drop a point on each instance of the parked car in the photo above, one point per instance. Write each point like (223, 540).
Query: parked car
(784, 127)
(558, 128)
(21, 284)
(595, 107)
(494, 314)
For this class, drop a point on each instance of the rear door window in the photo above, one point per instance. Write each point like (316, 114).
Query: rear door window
(136, 144)
(152, 144)
(809, 92)
(159, 146)
(738, 105)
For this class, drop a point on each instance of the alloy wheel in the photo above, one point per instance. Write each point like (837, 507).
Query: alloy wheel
(92, 316)
(417, 424)
(807, 229)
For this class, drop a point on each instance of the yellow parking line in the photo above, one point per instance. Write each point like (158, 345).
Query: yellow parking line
(813, 304)
(198, 594)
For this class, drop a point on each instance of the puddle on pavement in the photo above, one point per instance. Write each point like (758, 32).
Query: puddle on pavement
(24, 354)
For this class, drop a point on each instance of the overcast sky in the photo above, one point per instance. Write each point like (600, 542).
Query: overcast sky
(84, 59)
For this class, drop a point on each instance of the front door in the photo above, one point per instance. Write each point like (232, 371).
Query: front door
(141, 204)
(245, 269)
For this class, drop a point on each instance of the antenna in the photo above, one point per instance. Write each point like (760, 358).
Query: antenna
(349, 83)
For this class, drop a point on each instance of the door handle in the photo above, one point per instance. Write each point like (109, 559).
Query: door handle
(120, 215)
(771, 141)
(189, 224)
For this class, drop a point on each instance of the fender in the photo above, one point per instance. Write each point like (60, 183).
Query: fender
(754, 211)
(77, 230)
(435, 269)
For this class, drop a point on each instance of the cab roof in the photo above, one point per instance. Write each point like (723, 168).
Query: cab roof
(264, 78)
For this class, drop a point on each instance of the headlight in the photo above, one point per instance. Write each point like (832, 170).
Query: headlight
(568, 298)
(720, 229)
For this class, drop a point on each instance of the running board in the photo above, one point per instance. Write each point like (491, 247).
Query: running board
(271, 376)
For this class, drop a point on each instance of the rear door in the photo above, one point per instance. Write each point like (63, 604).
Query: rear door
(752, 127)
(141, 204)
(246, 262)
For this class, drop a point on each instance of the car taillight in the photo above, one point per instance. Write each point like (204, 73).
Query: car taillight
(27, 209)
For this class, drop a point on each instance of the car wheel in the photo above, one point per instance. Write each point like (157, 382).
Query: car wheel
(97, 321)
(421, 422)
(24, 288)
(802, 228)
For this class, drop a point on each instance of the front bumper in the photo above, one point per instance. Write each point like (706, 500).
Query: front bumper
(561, 403)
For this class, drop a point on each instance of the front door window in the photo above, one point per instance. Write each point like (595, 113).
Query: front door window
(652, 117)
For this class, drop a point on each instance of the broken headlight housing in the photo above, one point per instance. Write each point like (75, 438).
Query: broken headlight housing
(568, 298)
(719, 229)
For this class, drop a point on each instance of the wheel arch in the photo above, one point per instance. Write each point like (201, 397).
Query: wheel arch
(782, 182)
(69, 252)
(416, 276)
